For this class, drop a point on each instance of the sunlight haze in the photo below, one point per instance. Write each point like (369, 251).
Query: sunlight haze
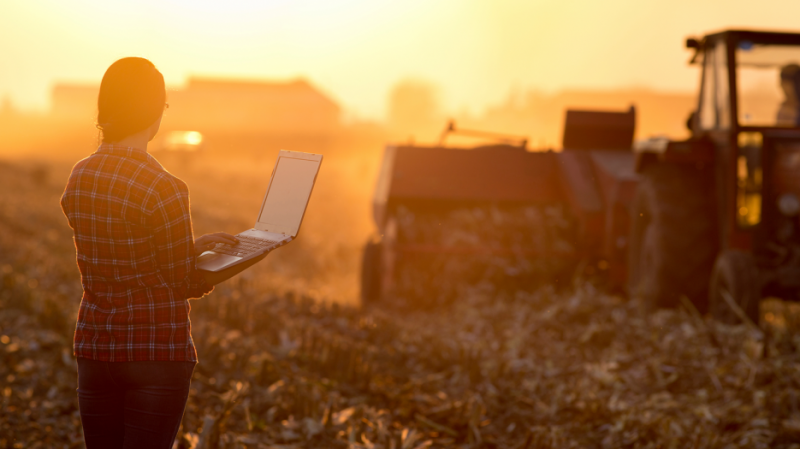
(475, 52)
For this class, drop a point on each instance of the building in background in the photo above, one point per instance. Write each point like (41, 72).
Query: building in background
(282, 108)
(217, 106)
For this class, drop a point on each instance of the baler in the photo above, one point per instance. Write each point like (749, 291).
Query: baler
(587, 188)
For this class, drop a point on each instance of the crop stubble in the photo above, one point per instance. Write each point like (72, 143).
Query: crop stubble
(492, 368)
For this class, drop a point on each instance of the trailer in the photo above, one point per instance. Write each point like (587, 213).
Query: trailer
(591, 182)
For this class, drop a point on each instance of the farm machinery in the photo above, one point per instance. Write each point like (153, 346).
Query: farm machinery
(714, 218)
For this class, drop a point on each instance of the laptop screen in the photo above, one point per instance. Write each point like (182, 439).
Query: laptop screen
(288, 194)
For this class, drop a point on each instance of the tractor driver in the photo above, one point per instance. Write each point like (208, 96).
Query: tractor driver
(789, 112)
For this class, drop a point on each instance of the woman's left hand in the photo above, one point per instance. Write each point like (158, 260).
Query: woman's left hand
(209, 241)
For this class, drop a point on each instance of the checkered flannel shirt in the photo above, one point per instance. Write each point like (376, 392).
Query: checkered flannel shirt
(135, 251)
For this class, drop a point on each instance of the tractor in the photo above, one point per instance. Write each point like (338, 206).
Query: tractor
(714, 218)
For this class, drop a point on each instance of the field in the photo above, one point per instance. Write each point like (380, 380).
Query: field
(290, 359)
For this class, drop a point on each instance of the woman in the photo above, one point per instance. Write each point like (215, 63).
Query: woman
(136, 254)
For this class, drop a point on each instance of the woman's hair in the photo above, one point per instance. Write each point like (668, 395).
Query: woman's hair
(132, 97)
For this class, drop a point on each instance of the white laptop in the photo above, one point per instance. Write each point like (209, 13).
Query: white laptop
(280, 216)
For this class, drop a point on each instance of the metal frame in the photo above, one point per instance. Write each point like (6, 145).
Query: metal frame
(518, 141)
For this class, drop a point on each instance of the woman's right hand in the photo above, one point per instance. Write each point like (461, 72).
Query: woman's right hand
(207, 242)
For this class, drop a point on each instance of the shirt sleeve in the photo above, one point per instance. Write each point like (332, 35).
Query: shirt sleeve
(65, 210)
(174, 240)
(65, 200)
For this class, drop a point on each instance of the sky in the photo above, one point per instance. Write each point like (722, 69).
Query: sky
(476, 52)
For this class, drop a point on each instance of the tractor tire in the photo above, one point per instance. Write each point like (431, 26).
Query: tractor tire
(673, 236)
(371, 273)
(736, 273)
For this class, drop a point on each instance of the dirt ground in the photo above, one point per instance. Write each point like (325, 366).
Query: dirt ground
(289, 359)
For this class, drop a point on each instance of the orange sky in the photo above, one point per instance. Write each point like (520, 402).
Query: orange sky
(475, 51)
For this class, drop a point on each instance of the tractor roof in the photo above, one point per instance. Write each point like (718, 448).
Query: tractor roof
(766, 37)
(751, 36)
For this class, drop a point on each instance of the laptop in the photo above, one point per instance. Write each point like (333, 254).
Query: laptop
(280, 216)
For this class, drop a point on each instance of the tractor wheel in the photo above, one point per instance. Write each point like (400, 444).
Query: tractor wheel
(735, 275)
(371, 273)
(673, 236)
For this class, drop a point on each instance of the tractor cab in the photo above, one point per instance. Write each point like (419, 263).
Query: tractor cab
(749, 80)
(735, 183)
(749, 107)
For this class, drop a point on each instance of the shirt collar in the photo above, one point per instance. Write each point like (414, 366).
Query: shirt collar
(124, 151)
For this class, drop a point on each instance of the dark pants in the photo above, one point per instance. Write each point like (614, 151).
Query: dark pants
(132, 404)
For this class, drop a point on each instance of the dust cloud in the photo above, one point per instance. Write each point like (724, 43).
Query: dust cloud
(244, 123)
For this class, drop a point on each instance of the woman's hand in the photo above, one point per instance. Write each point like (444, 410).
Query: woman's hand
(209, 241)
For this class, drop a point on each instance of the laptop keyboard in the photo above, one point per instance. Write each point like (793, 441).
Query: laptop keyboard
(247, 245)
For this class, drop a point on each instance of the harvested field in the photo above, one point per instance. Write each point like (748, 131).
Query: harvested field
(289, 360)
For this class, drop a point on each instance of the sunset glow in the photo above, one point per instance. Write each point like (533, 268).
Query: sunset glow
(401, 224)
(476, 53)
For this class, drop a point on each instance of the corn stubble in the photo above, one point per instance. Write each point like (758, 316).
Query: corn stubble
(493, 367)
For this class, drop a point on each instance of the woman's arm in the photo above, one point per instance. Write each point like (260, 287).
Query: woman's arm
(216, 277)
(207, 242)
(178, 250)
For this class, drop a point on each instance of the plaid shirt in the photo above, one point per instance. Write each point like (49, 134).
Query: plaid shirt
(135, 251)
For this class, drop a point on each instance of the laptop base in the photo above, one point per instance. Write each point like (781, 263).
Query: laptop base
(214, 261)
